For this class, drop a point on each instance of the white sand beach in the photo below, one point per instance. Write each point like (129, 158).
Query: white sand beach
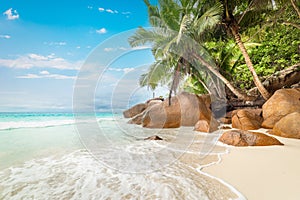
(268, 173)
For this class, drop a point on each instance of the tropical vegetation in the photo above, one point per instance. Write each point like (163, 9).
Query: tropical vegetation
(237, 42)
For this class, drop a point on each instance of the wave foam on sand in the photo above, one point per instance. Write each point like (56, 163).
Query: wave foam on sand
(79, 176)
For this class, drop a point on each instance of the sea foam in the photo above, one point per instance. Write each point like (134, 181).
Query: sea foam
(34, 124)
(79, 176)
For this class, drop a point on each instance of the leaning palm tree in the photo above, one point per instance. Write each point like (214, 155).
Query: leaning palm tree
(234, 18)
(178, 28)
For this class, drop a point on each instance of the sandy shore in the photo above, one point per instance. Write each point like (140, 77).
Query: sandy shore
(268, 173)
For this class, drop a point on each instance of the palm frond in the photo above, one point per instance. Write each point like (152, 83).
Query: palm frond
(158, 73)
(142, 36)
(183, 27)
(209, 19)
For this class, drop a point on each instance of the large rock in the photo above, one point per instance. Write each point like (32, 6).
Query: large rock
(247, 119)
(135, 110)
(186, 110)
(247, 138)
(153, 102)
(288, 126)
(282, 103)
(137, 119)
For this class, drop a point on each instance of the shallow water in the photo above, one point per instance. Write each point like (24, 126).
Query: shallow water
(50, 161)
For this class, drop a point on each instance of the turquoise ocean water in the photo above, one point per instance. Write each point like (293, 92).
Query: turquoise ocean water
(43, 156)
(25, 136)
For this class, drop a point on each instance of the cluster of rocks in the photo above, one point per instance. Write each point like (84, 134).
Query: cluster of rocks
(185, 110)
(280, 114)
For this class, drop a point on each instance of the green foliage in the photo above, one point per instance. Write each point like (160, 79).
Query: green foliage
(278, 50)
(192, 85)
(269, 33)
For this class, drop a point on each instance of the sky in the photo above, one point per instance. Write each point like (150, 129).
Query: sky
(44, 45)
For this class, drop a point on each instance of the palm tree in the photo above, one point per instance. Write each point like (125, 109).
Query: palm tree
(176, 24)
(233, 20)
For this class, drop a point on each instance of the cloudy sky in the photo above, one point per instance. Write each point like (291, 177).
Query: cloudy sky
(45, 44)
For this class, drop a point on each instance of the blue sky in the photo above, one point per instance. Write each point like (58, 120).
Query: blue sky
(43, 45)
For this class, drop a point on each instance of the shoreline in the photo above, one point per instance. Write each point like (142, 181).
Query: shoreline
(269, 172)
(58, 173)
(240, 196)
(239, 172)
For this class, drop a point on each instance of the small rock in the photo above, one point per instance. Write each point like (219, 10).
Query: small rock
(225, 127)
(153, 137)
(202, 126)
(207, 126)
(247, 138)
(225, 120)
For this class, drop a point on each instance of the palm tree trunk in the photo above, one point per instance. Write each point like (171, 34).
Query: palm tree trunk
(204, 85)
(265, 94)
(295, 7)
(221, 77)
(170, 96)
(175, 82)
(283, 78)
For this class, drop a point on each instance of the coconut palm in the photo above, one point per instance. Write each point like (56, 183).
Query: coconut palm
(178, 26)
(232, 25)
(240, 14)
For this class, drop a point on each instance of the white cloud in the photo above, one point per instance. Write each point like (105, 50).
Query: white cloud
(110, 11)
(62, 43)
(55, 43)
(37, 57)
(44, 72)
(29, 76)
(125, 70)
(101, 31)
(109, 49)
(123, 48)
(90, 7)
(11, 14)
(46, 75)
(35, 60)
(141, 47)
(5, 36)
